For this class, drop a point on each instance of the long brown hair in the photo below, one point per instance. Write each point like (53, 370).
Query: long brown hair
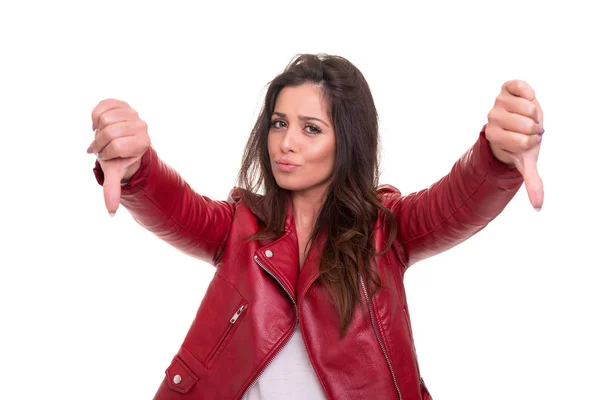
(351, 207)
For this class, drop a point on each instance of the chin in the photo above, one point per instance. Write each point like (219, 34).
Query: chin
(294, 185)
(289, 184)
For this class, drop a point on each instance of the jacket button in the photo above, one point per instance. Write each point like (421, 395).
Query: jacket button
(269, 253)
(177, 379)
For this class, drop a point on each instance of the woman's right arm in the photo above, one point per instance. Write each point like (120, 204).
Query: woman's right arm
(155, 194)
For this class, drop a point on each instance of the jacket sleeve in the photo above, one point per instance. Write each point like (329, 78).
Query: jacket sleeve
(162, 202)
(471, 195)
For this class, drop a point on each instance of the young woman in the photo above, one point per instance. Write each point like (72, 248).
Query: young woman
(308, 301)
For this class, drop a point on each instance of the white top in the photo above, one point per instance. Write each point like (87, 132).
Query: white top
(290, 375)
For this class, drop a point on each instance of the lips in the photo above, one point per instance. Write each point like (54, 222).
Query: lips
(286, 166)
(286, 162)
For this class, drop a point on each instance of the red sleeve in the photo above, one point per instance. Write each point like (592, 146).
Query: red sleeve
(471, 195)
(162, 202)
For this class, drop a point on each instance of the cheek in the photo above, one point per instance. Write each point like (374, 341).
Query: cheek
(324, 153)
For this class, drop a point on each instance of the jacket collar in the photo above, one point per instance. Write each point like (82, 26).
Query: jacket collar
(281, 258)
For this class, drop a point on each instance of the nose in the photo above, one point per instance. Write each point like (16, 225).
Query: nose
(289, 142)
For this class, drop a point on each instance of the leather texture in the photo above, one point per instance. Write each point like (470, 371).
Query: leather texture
(219, 359)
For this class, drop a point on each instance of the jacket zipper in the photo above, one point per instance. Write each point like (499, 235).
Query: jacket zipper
(224, 336)
(362, 283)
(288, 338)
(237, 314)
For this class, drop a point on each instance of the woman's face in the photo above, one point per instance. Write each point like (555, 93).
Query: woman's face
(301, 140)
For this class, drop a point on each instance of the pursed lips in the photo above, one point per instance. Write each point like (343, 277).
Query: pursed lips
(286, 165)
(286, 162)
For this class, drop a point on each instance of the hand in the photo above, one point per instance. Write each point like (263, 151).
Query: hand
(121, 139)
(514, 130)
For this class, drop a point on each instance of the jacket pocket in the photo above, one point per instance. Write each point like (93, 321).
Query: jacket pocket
(219, 316)
(226, 334)
(179, 377)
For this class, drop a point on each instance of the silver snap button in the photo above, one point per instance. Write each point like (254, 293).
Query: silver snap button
(269, 253)
(177, 379)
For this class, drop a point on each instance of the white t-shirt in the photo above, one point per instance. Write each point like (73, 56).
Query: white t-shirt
(290, 375)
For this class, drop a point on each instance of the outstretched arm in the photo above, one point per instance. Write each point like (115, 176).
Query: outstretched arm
(481, 183)
(473, 193)
(155, 194)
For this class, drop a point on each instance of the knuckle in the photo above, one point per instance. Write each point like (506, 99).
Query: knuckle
(141, 125)
(498, 102)
(504, 101)
(520, 84)
(112, 132)
(103, 120)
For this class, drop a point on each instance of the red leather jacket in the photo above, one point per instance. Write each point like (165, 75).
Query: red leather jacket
(257, 295)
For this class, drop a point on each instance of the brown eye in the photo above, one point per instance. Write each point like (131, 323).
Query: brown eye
(313, 129)
(275, 125)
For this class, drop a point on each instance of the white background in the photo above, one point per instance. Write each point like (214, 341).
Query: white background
(94, 308)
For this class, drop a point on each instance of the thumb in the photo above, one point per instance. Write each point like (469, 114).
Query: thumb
(533, 182)
(113, 174)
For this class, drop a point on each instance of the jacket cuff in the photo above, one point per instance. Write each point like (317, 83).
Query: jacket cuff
(496, 172)
(138, 180)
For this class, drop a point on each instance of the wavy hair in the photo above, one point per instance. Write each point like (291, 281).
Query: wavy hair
(350, 208)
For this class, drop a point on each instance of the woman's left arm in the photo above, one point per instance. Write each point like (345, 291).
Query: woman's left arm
(480, 184)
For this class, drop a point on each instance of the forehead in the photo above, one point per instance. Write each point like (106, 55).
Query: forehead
(306, 99)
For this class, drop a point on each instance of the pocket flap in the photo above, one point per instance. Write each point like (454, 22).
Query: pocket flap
(179, 376)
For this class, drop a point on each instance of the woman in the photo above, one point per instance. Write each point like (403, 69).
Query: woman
(308, 299)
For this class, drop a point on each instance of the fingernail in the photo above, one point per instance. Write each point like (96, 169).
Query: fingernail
(90, 150)
(542, 130)
(538, 209)
(112, 214)
(539, 139)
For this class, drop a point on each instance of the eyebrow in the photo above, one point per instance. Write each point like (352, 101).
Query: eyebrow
(301, 117)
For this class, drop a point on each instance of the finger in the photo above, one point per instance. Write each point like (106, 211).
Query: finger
(104, 106)
(513, 142)
(533, 182)
(116, 115)
(113, 132)
(520, 106)
(123, 147)
(514, 122)
(113, 173)
(519, 88)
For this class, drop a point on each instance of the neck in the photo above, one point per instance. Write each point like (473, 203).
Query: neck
(306, 206)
